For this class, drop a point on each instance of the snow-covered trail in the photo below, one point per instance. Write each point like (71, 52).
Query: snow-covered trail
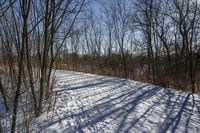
(91, 103)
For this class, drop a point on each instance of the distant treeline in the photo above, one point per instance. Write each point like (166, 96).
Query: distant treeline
(174, 76)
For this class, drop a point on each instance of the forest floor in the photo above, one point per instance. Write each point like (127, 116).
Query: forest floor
(101, 104)
(92, 103)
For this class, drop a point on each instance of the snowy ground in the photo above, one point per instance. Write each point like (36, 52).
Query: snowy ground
(91, 103)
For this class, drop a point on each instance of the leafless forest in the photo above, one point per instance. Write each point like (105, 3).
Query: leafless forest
(156, 41)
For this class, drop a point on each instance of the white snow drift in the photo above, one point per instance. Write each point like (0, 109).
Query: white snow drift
(91, 103)
(99, 104)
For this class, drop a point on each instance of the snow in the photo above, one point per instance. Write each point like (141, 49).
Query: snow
(92, 103)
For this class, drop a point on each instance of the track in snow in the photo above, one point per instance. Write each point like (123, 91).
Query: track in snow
(91, 103)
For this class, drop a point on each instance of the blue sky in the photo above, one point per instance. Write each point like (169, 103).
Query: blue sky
(96, 5)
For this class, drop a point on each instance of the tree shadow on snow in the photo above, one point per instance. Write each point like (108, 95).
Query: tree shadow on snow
(133, 108)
